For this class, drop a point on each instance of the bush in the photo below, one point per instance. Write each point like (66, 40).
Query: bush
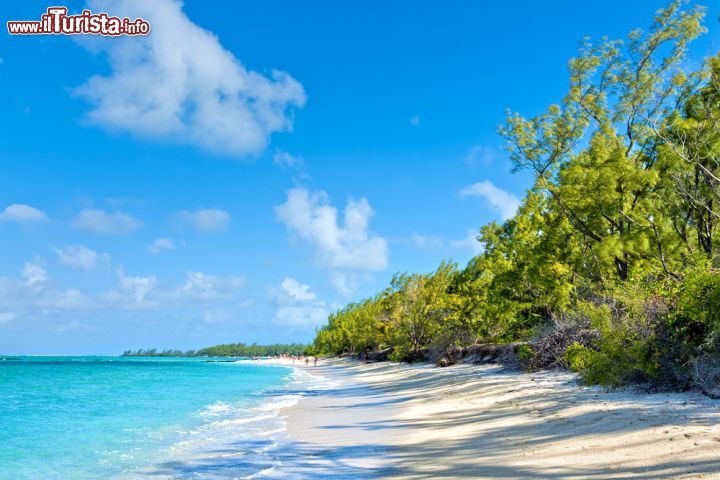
(398, 354)
(706, 374)
(577, 357)
(525, 356)
(697, 318)
(624, 348)
(550, 343)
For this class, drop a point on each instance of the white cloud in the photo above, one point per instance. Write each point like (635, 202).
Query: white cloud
(197, 290)
(479, 154)
(296, 291)
(286, 160)
(415, 121)
(205, 220)
(101, 222)
(20, 213)
(347, 283)
(295, 163)
(160, 245)
(198, 283)
(469, 242)
(298, 305)
(78, 256)
(505, 203)
(203, 286)
(33, 290)
(145, 292)
(338, 245)
(137, 287)
(34, 275)
(131, 293)
(34, 297)
(301, 316)
(180, 84)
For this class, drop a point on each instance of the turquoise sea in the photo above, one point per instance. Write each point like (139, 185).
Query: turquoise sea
(122, 417)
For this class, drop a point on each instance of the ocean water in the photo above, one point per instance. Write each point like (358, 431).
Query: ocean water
(127, 418)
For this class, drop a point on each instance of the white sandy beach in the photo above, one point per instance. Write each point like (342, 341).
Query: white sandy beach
(397, 421)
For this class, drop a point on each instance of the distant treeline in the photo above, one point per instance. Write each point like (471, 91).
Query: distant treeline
(227, 350)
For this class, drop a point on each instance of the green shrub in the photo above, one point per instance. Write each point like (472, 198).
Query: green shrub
(577, 357)
(525, 356)
(697, 318)
(619, 360)
(399, 354)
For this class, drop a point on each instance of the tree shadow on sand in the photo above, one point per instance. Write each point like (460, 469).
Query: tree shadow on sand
(286, 460)
(522, 430)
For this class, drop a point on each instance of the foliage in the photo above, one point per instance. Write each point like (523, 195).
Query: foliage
(610, 266)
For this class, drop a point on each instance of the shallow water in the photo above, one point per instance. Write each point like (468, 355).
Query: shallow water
(116, 417)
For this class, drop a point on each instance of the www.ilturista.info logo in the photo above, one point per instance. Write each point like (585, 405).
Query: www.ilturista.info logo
(57, 22)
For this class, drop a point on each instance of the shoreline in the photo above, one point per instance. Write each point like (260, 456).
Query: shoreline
(384, 420)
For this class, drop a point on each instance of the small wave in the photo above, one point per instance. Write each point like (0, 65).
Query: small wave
(284, 401)
(244, 439)
(234, 422)
(216, 409)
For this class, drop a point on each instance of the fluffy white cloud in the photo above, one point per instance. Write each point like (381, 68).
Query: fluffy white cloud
(338, 245)
(298, 305)
(505, 203)
(205, 220)
(21, 213)
(469, 242)
(101, 222)
(180, 84)
(348, 283)
(160, 245)
(301, 316)
(296, 291)
(34, 296)
(34, 290)
(78, 256)
(135, 288)
(34, 275)
(145, 292)
(203, 286)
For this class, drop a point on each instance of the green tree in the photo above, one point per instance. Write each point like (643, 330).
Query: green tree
(420, 306)
(593, 153)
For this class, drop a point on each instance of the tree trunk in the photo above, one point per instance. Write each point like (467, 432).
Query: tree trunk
(622, 268)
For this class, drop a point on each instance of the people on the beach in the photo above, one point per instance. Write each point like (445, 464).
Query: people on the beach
(314, 361)
(307, 360)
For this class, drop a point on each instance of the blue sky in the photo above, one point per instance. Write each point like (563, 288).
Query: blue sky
(251, 166)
